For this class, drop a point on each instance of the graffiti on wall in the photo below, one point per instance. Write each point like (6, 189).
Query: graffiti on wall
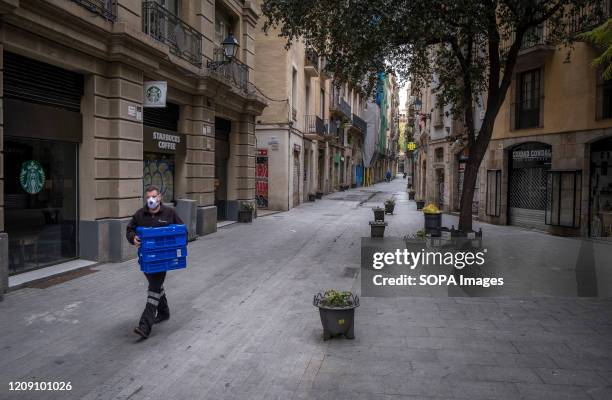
(159, 171)
(261, 178)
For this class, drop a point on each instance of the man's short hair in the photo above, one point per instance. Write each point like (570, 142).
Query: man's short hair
(151, 188)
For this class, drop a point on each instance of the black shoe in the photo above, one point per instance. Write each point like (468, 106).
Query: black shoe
(146, 321)
(163, 312)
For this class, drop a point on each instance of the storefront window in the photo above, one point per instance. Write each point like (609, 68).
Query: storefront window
(40, 198)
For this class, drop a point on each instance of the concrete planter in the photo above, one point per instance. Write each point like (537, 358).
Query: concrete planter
(389, 208)
(377, 229)
(379, 214)
(420, 204)
(319, 195)
(311, 197)
(411, 195)
(337, 321)
(245, 216)
(433, 224)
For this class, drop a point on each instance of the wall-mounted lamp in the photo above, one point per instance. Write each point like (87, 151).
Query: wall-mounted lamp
(230, 48)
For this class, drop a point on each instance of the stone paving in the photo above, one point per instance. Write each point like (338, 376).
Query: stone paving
(243, 325)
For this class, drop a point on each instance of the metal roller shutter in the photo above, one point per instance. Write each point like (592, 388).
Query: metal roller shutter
(163, 118)
(33, 81)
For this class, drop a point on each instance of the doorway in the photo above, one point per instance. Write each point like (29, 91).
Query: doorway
(296, 178)
(223, 128)
(600, 199)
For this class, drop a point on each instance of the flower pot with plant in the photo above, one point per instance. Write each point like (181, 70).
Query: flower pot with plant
(389, 206)
(379, 213)
(411, 194)
(245, 213)
(433, 220)
(377, 229)
(311, 197)
(420, 204)
(337, 312)
(319, 195)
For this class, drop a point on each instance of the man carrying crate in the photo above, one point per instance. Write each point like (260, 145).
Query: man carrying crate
(154, 214)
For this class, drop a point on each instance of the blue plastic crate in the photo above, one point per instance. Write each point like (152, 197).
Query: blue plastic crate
(163, 265)
(162, 254)
(171, 236)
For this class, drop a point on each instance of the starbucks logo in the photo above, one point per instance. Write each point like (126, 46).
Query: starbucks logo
(154, 94)
(32, 176)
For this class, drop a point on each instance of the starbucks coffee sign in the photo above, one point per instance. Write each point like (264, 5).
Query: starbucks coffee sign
(158, 140)
(155, 94)
(32, 176)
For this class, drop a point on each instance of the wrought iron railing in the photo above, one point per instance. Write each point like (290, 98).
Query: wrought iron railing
(104, 8)
(339, 104)
(360, 124)
(234, 72)
(314, 124)
(589, 17)
(183, 40)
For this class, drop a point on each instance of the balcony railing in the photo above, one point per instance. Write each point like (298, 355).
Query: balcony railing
(234, 72)
(337, 103)
(314, 125)
(590, 17)
(104, 8)
(183, 40)
(360, 124)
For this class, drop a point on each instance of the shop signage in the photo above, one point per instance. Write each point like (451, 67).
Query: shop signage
(155, 94)
(411, 146)
(297, 147)
(158, 140)
(531, 155)
(32, 176)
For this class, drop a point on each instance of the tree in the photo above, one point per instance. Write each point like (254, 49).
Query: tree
(471, 46)
(602, 37)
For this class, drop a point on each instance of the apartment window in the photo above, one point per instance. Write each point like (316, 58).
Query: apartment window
(604, 100)
(171, 5)
(322, 104)
(493, 202)
(529, 99)
(307, 99)
(563, 189)
(224, 25)
(294, 94)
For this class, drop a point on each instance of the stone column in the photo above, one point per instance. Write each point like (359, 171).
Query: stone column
(201, 164)
(241, 171)
(111, 162)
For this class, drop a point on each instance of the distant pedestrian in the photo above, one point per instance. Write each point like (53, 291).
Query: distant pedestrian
(405, 175)
(153, 214)
(388, 175)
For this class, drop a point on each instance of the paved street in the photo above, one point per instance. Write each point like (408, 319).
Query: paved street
(243, 325)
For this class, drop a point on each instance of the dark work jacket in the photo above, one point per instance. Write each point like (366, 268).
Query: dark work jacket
(143, 217)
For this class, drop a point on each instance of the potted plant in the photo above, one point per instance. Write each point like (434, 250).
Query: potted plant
(319, 195)
(311, 197)
(337, 312)
(379, 213)
(420, 204)
(377, 229)
(433, 220)
(245, 213)
(411, 194)
(389, 206)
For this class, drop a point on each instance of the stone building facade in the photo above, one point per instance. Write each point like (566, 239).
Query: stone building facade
(78, 141)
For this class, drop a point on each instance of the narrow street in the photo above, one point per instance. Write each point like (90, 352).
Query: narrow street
(243, 325)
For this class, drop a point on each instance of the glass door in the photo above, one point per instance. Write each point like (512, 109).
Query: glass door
(41, 203)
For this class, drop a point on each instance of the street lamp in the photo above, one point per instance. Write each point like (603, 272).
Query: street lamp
(230, 48)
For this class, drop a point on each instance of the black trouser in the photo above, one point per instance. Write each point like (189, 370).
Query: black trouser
(156, 287)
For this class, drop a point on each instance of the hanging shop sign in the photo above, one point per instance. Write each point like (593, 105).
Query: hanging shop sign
(32, 176)
(155, 93)
(411, 146)
(158, 140)
(297, 147)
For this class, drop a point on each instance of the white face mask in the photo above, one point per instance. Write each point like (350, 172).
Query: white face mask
(152, 202)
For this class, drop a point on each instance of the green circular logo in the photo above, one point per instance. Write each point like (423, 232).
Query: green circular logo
(154, 94)
(32, 176)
